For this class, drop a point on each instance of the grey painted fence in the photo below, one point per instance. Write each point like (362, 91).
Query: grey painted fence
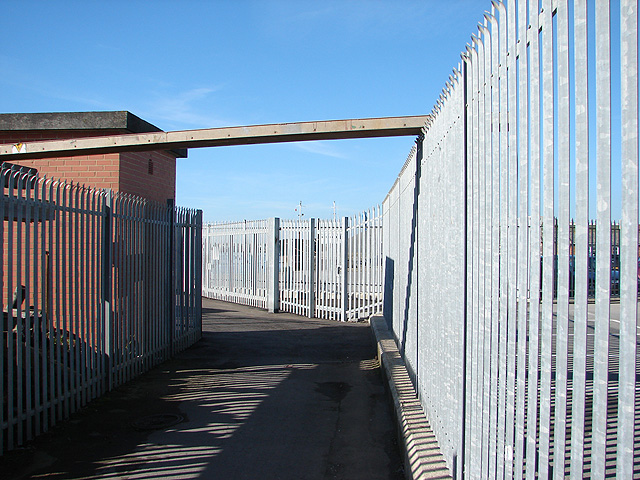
(96, 289)
(519, 372)
(317, 268)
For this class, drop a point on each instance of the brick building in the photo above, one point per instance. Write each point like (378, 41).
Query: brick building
(151, 175)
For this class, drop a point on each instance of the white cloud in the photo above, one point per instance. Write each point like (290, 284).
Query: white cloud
(323, 148)
(186, 109)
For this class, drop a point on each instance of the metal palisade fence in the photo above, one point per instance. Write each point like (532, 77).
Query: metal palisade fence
(235, 261)
(96, 289)
(522, 342)
(317, 268)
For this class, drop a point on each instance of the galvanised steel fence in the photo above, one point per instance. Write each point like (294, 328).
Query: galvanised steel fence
(235, 262)
(317, 268)
(297, 264)
(96, 289)
(518, 379)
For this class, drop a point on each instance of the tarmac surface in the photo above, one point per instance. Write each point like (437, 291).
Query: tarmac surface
(273, 396)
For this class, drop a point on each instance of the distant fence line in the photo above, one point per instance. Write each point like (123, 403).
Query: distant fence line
(520, 373)
(316, 268)
(96, 289)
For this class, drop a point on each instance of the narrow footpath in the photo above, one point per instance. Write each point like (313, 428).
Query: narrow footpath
(261, 396)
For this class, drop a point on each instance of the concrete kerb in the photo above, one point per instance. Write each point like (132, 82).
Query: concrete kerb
(422, 456)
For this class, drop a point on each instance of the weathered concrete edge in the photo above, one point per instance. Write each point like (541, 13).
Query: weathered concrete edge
(422, 456)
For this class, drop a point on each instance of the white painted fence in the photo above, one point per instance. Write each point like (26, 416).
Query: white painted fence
(96, 289)
(317, 268)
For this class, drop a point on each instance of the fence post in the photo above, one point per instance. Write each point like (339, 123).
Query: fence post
(311, 299)
(107, 278)
(344, 307)
(273, 265)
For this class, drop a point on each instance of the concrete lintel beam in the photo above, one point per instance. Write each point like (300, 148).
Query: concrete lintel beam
(215, 137)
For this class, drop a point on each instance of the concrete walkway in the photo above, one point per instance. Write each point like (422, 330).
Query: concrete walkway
(272, 396)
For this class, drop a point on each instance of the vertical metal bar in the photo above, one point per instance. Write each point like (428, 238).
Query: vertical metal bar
(283, 267)
(66, 247)
(298, 272)
(63, 326)
(523, 172)
(78, 294)
(324, 272)
(311, 263)
(478, 451)
(548, 237)
(273, 248)
(54, 308)
(486, 50)
(134, 338)
(331, 288)
(284, 262)
(94, 247)
(20, 324)
(343, 262)
(5, 205)
(131, 335)
(512, 226)
(38, 307)
(84, 318)
(629, 242)
(141, 350)
(159, 269)
(28, 312)
(317, 261)
(350, 274)
(198, 274)
(484, 317)
(603, 238)
(503, 319)
(465, 420)
(119, 323)
(97, 305)
(361, 276)
(325, 291)
(368, 262)
(107, 272)
(46, 243)
(69, 353)
(534, 274)
(378, 258)
(13, 251)
(67, 299)
(299, 285)
(171, 228)
(562, 336)
(292, 262)
(581, 241)
(129, 247)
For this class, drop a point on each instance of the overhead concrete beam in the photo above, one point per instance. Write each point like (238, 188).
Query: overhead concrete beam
(216, 137)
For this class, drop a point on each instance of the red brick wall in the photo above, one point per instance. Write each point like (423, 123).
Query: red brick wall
(155, 182)
(126, 172)
(99, 171)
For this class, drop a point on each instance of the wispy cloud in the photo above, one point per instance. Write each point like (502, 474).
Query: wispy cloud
(187, 109)
(323, 148)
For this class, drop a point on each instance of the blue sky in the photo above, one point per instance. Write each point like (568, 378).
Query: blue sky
(201, 64)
